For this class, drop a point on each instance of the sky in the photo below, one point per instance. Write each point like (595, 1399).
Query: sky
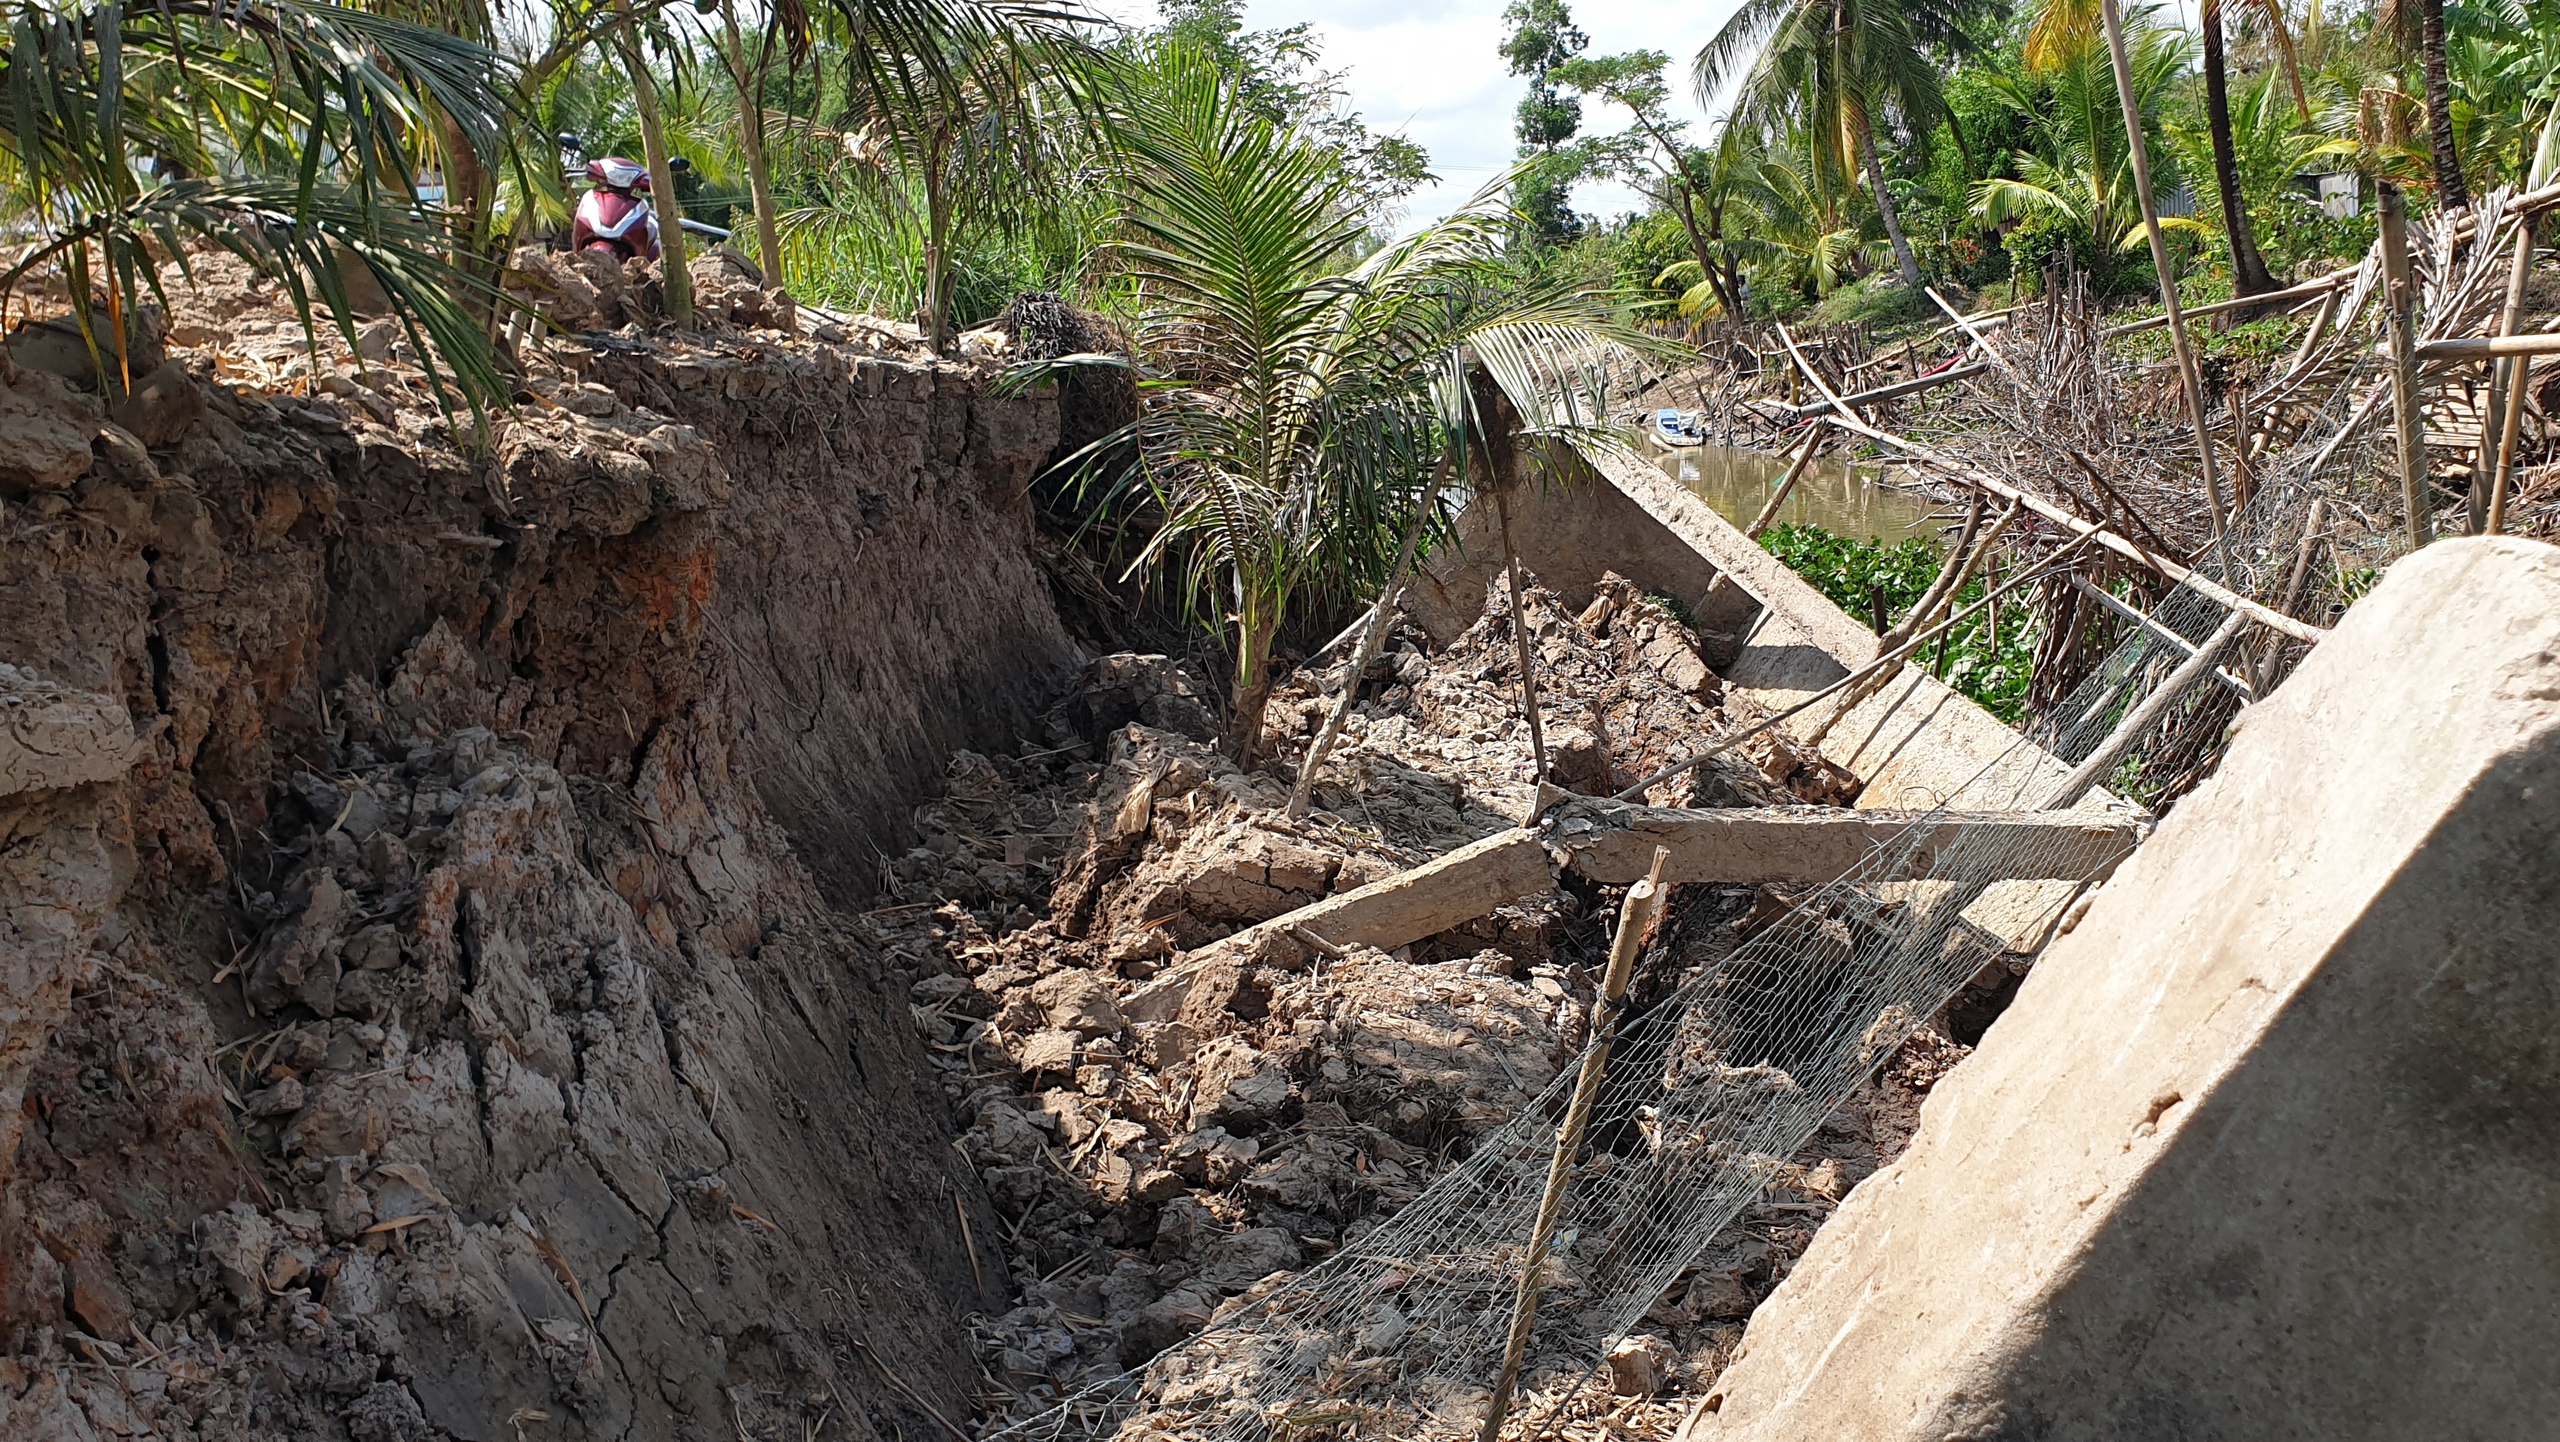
(1430, 69)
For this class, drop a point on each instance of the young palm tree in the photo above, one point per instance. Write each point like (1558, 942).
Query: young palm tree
(292, 122)
(1289, 423)
(1836, 65)
(2081, 170)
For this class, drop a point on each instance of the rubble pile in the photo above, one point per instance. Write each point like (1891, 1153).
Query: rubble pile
(1171, 1109)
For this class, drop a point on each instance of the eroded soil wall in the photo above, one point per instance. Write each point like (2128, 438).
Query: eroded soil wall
(448, 1035)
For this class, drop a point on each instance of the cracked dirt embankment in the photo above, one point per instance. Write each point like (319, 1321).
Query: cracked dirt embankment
(448, 1036)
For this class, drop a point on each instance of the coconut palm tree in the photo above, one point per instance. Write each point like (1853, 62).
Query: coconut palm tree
(2081, 171)
(2248, 268)
(1294, 406)
(1836, 66)
(2060, 29)
(295, 126)
(2417, 27)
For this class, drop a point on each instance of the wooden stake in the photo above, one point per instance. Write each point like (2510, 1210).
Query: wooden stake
(1520, 636)
(1373, 637)
(2303, 551)
(1635, 917)
(2141, 156)
(2501, 474)
(2399, 301)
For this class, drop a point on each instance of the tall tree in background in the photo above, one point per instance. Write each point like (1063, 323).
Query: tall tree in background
(1655, 155)
(1834, 65)
(2451, 193)
(1540, 36)
(2416, 29)
(2248, 268)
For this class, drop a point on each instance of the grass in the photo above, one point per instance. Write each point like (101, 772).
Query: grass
(1852, 573)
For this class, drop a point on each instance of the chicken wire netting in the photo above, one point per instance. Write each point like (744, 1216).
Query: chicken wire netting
(1711, 1088)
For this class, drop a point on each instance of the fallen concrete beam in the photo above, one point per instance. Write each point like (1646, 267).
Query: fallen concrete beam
(1613, 844)
(1446, 891)
(2266, 1147)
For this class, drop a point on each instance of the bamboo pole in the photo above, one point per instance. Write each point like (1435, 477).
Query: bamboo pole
(2511, 424)
(2176, 321)
(2137, 721)
(1778, 497)
(1373, 636)
(2237, 687)
(2489, 347)
(1635, 917)
(2399, 300)
(2322, 286)
(1896, 390)
(2303, 551)
(2504, 374)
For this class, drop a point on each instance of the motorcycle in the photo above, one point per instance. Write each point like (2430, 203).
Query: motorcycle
(614, 217)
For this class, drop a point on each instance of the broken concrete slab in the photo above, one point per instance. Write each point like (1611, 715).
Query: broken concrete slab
(1613, 843)
(2266, 1145)
(1917, 743)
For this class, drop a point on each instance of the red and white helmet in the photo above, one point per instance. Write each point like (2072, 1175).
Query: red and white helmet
(616, 173)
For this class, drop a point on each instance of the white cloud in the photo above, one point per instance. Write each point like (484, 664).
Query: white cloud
(1430, 69)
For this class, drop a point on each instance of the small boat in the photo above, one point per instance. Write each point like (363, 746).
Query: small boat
(1677, 428)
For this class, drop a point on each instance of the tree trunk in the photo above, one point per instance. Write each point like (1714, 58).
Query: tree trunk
(936, 318)
(662, 180)
(1252, 693)
(1903, 259)
(2451, 193)
(2248, 268)
(1684, 206)
(751, 142)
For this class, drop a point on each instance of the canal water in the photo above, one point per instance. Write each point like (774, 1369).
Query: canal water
(1843, 499)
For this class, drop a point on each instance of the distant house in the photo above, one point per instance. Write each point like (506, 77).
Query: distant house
(2339, 194)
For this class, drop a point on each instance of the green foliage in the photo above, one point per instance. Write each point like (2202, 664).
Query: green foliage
(1293, 410)
(1279, 74)
(1869, 302)
(1539, 36)
(308, 112)
(1853, 572)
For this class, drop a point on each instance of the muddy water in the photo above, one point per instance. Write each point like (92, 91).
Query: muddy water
(1840, 498)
